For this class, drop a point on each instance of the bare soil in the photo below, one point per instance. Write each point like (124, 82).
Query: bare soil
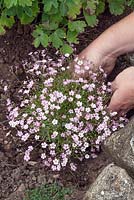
(15, 175)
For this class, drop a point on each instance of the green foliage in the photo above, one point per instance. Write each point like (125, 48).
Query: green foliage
(48, 192)
(59, 21)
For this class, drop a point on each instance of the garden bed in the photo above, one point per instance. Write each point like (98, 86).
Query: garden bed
(14, 48)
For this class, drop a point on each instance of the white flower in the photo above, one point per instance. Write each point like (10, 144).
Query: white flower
(25, 127)
(33, 106)
(37, 137)
(68, 126)
(56, 161)
(88, 109)
(67, 55)
(55, 121)
(87, 156)
(80, 62)
(79, 103)
(71, 93)
(5, 88)
(43, 155)
(70, 99)
(73, 167)
(44, 145)
(93, 105)
(78, 96)
(52, 146)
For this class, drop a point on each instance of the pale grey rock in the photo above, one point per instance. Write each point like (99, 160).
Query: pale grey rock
(120, 147)
(112, 184)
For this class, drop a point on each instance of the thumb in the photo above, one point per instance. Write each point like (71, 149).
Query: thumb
(115, 103)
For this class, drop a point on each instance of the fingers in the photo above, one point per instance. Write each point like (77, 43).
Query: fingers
(119, 102)
(115, 103)
(114, 85)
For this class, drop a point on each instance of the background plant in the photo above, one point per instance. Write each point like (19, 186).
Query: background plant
(58, 22)
(48, 192)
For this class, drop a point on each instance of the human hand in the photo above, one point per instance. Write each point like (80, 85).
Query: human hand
(123, 92)
(99, 57)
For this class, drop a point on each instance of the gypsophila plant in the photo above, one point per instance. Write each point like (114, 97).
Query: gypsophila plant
(58, 22)
(62, 116)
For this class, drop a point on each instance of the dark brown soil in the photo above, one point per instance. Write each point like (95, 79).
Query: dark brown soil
(15, 175)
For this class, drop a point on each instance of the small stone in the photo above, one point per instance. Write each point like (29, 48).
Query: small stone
(32, 163)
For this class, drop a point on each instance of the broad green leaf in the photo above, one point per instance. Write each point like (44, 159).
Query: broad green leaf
(100, 8)
(24, 3)
(66, 49)
(56, 41)
(72, 37)
(91, 6)
(6, 20)
(77, 26)
(45, 17)
(10, 3)
(61, 33)
(19, 11)
(56, 18)
(63, 9)
(90, 19)
(117, 7)
(11, 11)
(74, 7)
(36, 42)
(28, 11)
(29, 14)
(44, 39)
(49, 4)
(2, 30)
(37, 32)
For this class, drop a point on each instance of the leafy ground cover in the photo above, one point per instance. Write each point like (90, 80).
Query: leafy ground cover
(58, 22)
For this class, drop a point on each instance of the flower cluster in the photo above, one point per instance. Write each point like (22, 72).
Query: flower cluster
(65, 116)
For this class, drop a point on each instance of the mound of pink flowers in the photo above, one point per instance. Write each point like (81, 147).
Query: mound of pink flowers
(61, 116)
